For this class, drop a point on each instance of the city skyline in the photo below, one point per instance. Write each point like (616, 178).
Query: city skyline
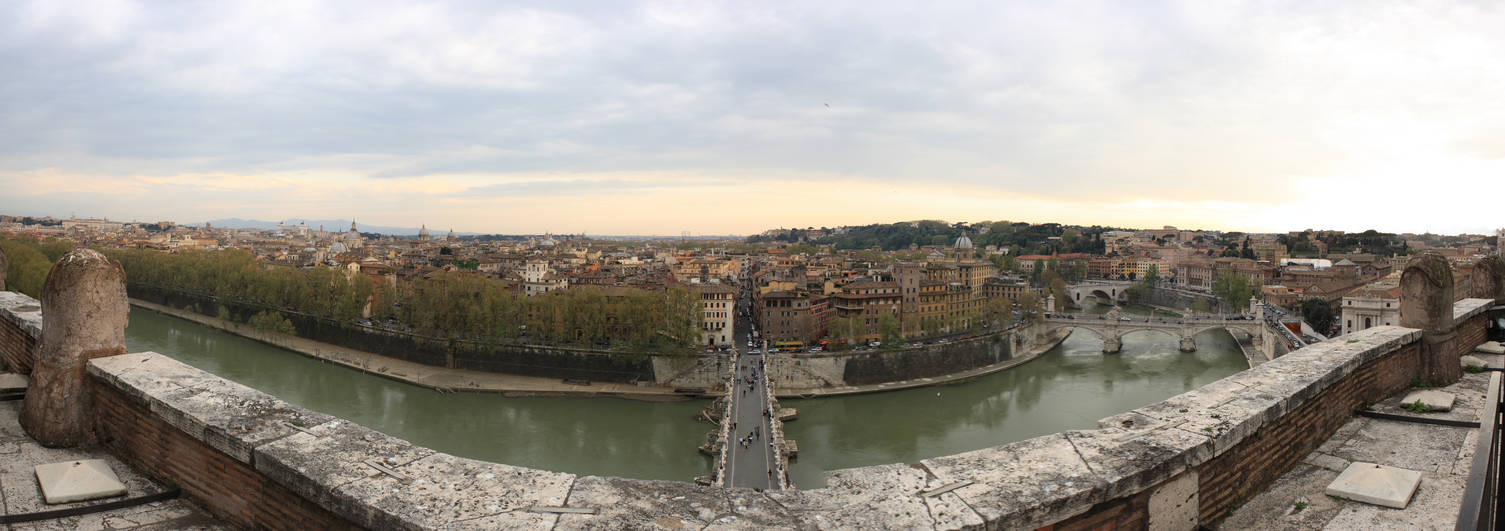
(655, 119)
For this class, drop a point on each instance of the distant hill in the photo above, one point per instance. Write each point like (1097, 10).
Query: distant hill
(333, 225)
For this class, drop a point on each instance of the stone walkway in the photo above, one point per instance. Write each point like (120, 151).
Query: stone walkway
(19, 493)
(1442, 454)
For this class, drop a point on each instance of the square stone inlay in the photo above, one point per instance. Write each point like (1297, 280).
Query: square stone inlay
(81, 480)
(1433, 399)
(1376, 484)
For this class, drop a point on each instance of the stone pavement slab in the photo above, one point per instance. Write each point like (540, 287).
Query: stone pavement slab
(1377, 484)
(1434, 507)
(1434, 400)
(11, 383)
(1490, 347)
(84, 479)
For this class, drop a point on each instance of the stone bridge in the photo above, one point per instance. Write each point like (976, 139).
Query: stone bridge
(1112, 329)
(1111, 291)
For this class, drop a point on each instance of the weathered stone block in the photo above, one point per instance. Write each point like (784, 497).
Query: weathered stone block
(1433, 399)
(1377, 484)
(1173, 504)
(636, 504)
(80, 480)
(1026, 484)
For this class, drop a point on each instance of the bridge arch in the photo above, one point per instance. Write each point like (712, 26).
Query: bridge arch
(1173, 334)
(1229, 329)
(1074, 327)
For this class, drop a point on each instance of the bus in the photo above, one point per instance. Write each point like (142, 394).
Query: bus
(778, 346)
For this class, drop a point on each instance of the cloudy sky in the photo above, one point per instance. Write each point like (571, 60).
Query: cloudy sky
(716, 118)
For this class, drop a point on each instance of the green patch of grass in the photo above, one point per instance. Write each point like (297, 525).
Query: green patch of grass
(1300, 505)
(1418, 407)
(1353, 341)
(1474, 369)
(1416, 384)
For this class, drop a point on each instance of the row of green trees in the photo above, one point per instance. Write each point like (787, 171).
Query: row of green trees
(29, 261)
(455, 305)
(235, 275)
(470, 306)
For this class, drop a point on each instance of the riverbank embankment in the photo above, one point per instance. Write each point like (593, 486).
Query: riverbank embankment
(854, 373)
(438, 378)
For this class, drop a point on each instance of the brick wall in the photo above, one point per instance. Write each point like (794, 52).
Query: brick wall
(1247, 469)
(1227, 480)
(1125, 513)
(17, 347)
(1471, 333)
(228, 488)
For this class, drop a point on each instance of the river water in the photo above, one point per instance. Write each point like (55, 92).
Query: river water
(1069, 387)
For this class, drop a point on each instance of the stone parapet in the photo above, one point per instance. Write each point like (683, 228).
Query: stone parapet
(20, 329)
(1466, 309)
(1234, 435)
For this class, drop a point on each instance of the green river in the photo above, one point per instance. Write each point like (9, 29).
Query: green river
(1069, 387)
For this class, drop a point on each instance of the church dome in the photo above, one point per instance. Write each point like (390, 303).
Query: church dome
(423, 232)
(963, 242)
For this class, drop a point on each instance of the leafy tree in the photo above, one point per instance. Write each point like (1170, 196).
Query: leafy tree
(1032, 306)
(1233, 288)
(28, 267)
(1055, 285)
(931, 326)
(888, 330)
(995, 310)
(1318, 313)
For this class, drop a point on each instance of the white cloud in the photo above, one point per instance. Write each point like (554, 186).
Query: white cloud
(1114, 112)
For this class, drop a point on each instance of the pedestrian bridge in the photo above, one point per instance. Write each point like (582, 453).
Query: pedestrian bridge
(1112, 329)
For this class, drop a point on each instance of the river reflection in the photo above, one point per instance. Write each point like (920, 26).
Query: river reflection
(580, 435)
(1070, 387)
